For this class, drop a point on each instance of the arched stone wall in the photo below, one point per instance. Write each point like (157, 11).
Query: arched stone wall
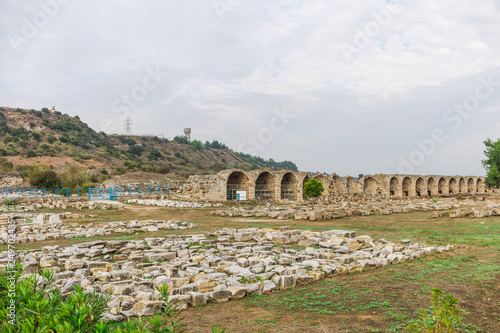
(350, 185)
(369, 185)
(407, 187)
(443, 188)
(453, 186)
(471, 186)
(265, 186)
(462, 186)
(394, 188)
(237, 181)
(288, 185)
(336, 187)
(325, 181)
(480, 185)
(432, 187)
(420, 187)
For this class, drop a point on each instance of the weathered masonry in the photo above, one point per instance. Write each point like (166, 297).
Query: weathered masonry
(287, 185)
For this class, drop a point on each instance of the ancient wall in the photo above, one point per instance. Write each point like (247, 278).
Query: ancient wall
(288, 185)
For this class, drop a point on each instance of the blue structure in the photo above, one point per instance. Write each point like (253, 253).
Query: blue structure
(108, 193)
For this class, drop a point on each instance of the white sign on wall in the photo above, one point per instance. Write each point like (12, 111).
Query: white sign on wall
(241, 195)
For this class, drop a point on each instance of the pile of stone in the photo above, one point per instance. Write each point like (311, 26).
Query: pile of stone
(60, 204)
(172, 203)
(468, 212)
(332, 211)
(215, 267)
(38, 230)
(20, 208)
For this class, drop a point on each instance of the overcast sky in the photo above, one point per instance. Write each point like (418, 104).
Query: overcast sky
(334, 86)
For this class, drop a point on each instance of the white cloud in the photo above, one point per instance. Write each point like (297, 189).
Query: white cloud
(226, 77)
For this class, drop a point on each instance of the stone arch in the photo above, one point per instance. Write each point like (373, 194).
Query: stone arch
(393, 186)
(305, 180)
(453, 186)
(479, 186)
(462, 186)
(349, 184)
(406, 188)
(471, 186)
(323, 179)
(431, 183)
(265, 186)
(420, 187)
(336, 187)
(237, 183)
(289, 186)
(370, 185)
(442, 187)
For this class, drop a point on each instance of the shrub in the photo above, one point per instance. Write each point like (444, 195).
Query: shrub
(35, 136)
(178, 155)
(51, 139)
(135, 150)
(104, 172)
(442, 316)
(163, 170)
(45, 110)
(47, 310)
(31, 153)
(44, 178)
(6, 165)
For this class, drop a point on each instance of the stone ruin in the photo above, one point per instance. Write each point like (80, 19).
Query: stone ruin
(211, 267)
(288, 186)
(50, 227)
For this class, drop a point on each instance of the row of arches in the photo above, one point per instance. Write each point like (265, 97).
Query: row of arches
(288, 185)
(407, 186)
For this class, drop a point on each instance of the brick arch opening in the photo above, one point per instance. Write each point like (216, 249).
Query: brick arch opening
(370, 185)
(406, 186)
(462, 186)
(393, 186)
(306, 179)
(430, 186)
(289, 186)
(349, 184)
(453, 186)
(264, 186)
(325, 182)
(420, 187)
(471, 186)
(479, 186)
(237, 183)
(442, 186)
(336, 185)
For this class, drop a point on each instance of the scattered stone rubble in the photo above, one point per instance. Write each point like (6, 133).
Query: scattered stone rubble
(491, 209)
(172, 203)
(62, 204)
(215, 267)
(336, 210)
(40, 230)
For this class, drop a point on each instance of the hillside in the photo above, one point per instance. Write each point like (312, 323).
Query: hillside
(28, 137)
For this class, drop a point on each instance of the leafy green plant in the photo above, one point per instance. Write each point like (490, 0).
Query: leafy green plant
(442, 316)
(44, 309)
(313, 189)
(217, 329)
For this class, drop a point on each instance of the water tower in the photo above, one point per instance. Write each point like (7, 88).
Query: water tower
(187, 133)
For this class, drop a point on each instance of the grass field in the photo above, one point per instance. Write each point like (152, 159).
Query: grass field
(381, 300)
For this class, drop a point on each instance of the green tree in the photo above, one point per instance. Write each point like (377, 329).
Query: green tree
(492, 162)
(313, 189)
(44, 178)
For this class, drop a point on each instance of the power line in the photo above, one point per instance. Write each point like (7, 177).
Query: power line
(128, 126)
